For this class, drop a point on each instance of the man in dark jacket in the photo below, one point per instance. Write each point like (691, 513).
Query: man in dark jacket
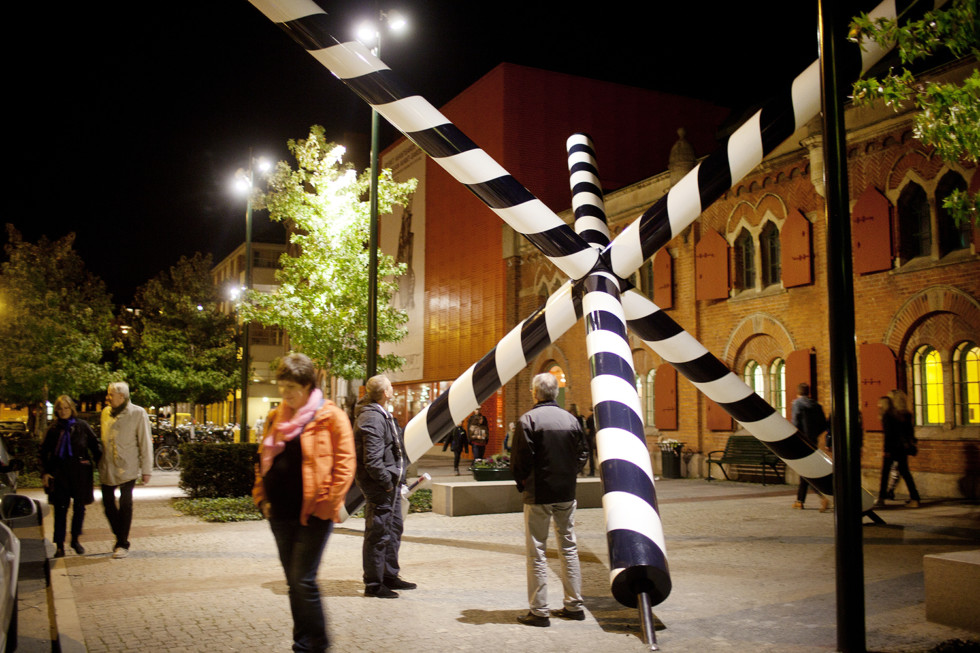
(381, 468)
(807, 416)
(548, 451)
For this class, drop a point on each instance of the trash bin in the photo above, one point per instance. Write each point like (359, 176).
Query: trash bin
(670, 458)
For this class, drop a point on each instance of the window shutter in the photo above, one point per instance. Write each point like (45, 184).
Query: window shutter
(663, 279)
(665, 390)
(717, 418)
(871, 232)
(711, 265)
(800, 368)
(878, 376)
(796, 241)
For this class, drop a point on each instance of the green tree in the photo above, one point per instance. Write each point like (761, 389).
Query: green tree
(183, 347)
(323, 282)
(948, 116)
(55, 319)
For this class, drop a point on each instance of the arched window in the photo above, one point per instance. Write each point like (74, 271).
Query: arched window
(951, 236)
(771, 262)
(744, 261)
(777, 385)
(754, 376)
(966, 369)
(649, 400)
(927, 382)
(915, 231)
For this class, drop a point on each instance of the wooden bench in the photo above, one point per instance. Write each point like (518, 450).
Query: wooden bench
(745, 451)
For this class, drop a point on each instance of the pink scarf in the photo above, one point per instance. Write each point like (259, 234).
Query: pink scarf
(288, 429)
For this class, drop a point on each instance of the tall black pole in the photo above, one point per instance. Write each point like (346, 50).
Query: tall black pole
(372, 307)
(243, 431)
(843, 360)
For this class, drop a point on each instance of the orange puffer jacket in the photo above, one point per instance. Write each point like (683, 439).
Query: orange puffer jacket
(329, 462)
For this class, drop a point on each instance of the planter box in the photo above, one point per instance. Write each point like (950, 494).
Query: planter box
(492, 474)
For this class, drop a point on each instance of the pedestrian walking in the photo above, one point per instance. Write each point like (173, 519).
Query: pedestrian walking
(900, 443)
(306, 465)
(809, 419)
(548, 452)
(457, 441)
(478, 431)
(70, 453)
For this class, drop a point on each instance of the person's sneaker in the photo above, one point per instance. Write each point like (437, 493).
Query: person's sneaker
(798, 505)
(120, 552)
(574, 615)
(381, 593)
(531, 619)
(399, 584)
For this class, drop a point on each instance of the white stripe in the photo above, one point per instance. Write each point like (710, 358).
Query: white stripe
(530, 217)
(418, 440)
(577, 139)
(606, 387)
(349, 60)
(462, 396)
(577, 265)
(726, 390)
(283, 11)
(871, 52)
(806, 94)
(559, 314)
(581, 198)
(581, 157)
(619, 444)
(600, 300)
(472, 167)
(583, 177)
(773, 428)
(412, 114)
(745, 147)
(636, 306)
(625, 511)
(683, 204)
(679, 348)
(509, 357)
(600, 340)
(626, 252)
(815, 465)
(591, 223)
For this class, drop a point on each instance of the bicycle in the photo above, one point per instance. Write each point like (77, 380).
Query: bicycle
(167, 458)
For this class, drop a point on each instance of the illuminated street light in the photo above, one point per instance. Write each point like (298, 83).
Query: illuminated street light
(244, 182)
(370, 35)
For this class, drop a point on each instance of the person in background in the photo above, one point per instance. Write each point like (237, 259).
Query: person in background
(381, 470)
(478, 431)
(127, 455)
(306, 465)
(900, 442)
(456, 440)
(590, 438)
(809, 419)
(549, 450)
(509, 437)
(69, 454)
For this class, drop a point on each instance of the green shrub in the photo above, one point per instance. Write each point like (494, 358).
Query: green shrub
(210, 470)
(420, 501)
(226, 509)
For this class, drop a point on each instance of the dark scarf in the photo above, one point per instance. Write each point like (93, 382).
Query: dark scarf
(115, 411)
(63, 449)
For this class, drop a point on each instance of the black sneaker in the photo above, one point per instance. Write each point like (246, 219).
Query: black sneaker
(531, 619)
(574, 615)
(399, 584)
(381, 593)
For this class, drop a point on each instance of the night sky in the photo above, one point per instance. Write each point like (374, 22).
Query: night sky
(127, 127)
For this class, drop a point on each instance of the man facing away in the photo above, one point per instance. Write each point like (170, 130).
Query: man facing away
(127, 454)
(809, 419)
(548, 451)
(381, 469)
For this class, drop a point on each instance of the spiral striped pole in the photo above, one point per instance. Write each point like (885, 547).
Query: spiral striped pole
(587, 201)
(512, 354)
(424, 125)
(776, 121)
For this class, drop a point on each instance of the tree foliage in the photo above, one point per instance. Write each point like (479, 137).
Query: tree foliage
(55, 322)
(183, 348)
(323, 281)
(948, 114)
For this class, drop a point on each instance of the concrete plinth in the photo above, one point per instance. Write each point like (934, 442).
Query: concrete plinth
(951, 583)
(490, 497)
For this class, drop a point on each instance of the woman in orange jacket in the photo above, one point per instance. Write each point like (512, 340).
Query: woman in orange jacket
(306, 465)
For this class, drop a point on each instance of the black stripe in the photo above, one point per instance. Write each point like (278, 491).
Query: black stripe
(534, 334)
(655, 326)
(442, 141)
(620, 475)
(590, 210)
(486, 378)
(595, 236)
(309, 31)
(378, 87)
(581, 147)
(607, 363)
(605, 321)
(654, 228)
(586, 187)
(714, 178)
(644, 568)
(557, 242)
(792, 448)
(777, 121)
(439, 419)
(750, 409)
(583, 166)
(702, 369)
(501, 193)
(614, 414)
(354, 500)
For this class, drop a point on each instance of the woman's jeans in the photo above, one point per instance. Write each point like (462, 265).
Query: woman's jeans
(61, 521)
(300, 550)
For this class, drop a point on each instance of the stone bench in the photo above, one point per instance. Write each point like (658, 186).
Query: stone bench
(458, 498)
(951, 581)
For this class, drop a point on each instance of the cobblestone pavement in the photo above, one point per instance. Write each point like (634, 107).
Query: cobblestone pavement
(748, 573)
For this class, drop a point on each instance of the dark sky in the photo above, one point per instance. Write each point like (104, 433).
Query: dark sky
(129, 120)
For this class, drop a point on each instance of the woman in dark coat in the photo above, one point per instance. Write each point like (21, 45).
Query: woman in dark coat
(899, 433)
(458, 442)
(69, 454)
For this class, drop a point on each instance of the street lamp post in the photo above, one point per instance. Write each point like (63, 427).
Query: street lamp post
(366, 33)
